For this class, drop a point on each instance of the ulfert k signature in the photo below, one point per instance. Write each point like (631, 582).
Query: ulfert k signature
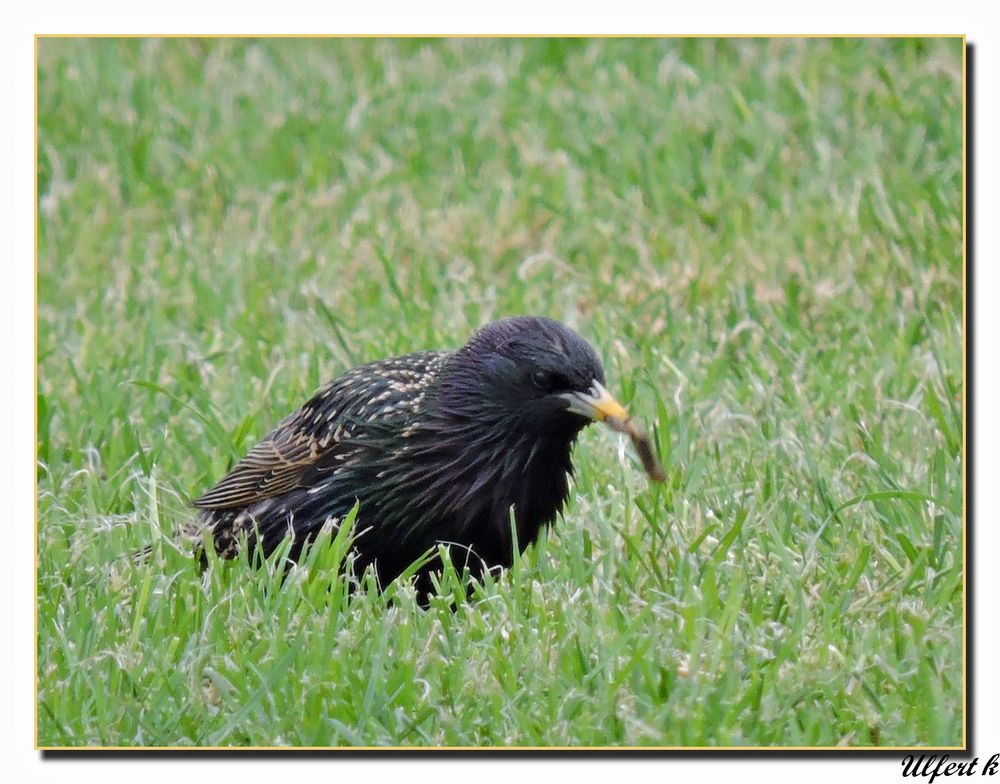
(933, 766)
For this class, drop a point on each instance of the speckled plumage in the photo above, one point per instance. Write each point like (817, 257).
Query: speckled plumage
(438, 447)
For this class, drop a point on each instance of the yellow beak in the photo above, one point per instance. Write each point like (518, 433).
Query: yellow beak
(596, 403)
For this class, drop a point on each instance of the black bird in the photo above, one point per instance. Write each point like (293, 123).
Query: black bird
(437, 446)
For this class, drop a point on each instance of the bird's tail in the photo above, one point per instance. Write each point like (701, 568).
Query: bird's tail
(189, 538)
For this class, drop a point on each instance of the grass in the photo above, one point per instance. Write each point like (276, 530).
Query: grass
(763, 238)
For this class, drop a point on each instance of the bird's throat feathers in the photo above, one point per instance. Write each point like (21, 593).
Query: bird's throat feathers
(471, 466)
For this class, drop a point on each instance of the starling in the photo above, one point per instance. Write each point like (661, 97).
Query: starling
(437, 447)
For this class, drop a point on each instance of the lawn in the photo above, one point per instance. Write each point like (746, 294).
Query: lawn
(763, 240)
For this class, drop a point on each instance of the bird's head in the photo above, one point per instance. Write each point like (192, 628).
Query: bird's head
(532, 373)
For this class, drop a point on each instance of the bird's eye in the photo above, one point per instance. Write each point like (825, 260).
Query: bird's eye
(542, 379)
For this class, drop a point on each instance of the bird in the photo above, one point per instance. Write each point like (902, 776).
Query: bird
(467, 449)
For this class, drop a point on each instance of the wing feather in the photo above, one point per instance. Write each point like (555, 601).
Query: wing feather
(322, 428)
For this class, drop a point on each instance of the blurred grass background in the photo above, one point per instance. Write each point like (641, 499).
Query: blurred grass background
(762, 237)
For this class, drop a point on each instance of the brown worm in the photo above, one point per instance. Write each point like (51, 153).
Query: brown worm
(643, 446)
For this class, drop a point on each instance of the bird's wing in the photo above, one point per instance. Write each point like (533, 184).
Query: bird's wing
(328, 424)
